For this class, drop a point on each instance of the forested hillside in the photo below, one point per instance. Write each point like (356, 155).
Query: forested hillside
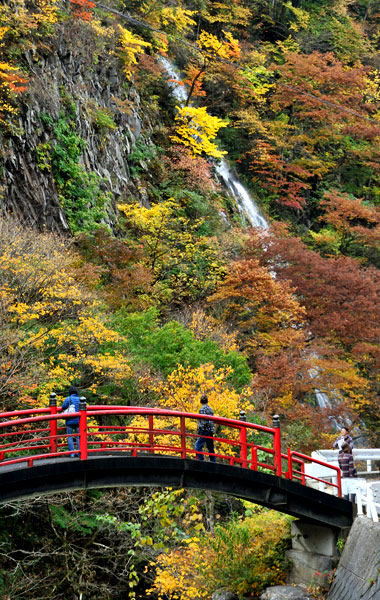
(127, 269)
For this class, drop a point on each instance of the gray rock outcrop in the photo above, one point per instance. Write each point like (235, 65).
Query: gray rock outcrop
(358, 573)
(224, 595)
(284, 592)
(88, 83)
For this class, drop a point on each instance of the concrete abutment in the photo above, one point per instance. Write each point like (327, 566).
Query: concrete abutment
(314, 556)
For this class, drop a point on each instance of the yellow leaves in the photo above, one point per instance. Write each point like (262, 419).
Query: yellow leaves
(183, 262)
(199, 566)
(30, 21)
(372, 90)
(232, 13)
(100, 30)
(178, 17)
(204, 327)
(177, 576)
(195, 128)
(131, 46)
(47, 13)
(149, 219)
(52, 315)
(227, 49)
(184, 386)
(327, 240)
(302, 18)
(181, 392)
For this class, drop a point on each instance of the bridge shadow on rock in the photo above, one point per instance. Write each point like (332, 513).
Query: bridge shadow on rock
(54, 475)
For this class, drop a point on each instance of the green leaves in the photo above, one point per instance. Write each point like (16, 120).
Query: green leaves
(165, 347)
(82, 522)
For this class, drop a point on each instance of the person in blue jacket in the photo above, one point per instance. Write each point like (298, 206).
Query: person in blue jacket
(72, 423)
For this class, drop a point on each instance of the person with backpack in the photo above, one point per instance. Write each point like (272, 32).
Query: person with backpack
(206, 430)
(71, 404)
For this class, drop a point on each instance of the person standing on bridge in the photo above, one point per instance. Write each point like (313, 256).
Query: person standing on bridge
(344, 438)
(206, 430)
(72, 423)
(347, 467)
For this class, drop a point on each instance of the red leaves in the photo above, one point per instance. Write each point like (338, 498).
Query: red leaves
(284, 180)
(196, 172)
(340, 297)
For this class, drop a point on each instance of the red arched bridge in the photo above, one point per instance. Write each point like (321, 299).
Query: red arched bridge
(125, 446)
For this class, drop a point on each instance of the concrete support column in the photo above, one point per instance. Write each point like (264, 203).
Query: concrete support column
(314, 553)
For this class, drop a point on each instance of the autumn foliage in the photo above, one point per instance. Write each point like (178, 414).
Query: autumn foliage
(82, 9)
(162, 290)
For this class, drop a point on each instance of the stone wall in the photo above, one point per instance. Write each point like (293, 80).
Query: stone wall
(358, 573)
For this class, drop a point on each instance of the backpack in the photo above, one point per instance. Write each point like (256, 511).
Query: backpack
(205, 426)
(70, 409)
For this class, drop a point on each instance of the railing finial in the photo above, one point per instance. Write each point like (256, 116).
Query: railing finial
(242, 415)
(276, 421)
(53, 399)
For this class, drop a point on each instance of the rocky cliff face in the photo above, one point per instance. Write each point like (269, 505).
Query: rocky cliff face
(74, 77)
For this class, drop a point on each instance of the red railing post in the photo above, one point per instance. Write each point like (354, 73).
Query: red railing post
(83, 428)
(277, 445)
(289, 474)
(53, 422)
(253, 457)
(303, 478)
(183, 437)
(243, 446)
(339, 483)
(151, 433)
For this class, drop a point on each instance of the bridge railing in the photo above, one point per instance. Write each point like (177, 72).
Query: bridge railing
(32, 435)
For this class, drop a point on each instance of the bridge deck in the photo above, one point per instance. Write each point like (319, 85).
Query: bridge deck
(54, 475)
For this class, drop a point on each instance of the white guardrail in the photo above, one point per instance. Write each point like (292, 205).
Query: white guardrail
(364, 492)
(367, 455)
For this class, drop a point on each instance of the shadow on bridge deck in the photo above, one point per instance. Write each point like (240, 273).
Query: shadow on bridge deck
(49, 476)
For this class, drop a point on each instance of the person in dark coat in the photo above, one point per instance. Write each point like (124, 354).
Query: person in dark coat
(72, 423)
(206, 430)
(344, 438)
(346, 461)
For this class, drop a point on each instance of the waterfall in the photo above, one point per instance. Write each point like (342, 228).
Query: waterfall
(243, 199)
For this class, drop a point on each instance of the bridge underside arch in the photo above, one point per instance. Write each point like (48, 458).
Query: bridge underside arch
(51, 476)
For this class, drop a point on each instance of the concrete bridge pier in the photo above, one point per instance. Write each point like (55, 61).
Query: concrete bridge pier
(314, 552)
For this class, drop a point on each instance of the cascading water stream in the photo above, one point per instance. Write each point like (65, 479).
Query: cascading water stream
(244, 200)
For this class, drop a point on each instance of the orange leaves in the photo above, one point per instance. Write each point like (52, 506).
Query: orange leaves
(349, 216)
(10, 77)
(196, 173)
(11, 84)
(252, 299)
(324, 77)
(82, 9)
